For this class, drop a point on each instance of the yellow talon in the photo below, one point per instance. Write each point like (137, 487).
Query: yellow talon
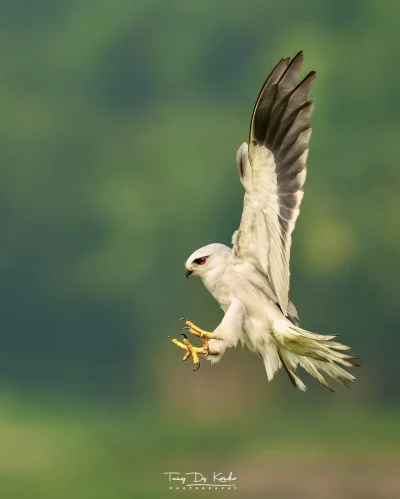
(197, 331)
(186, 356)
(204, 335)
(192, 351)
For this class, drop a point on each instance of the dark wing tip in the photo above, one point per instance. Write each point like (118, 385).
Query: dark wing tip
(270, 104)
(266, 96)
(299, 55)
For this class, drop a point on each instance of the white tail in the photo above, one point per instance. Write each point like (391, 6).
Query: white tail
(315, 353)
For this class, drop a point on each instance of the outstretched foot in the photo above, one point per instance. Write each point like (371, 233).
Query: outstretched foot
(204, 335)
(192, 351)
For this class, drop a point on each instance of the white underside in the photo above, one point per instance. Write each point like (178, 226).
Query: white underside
(253, 318)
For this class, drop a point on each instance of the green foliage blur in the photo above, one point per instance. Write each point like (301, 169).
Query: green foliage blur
(119, 130)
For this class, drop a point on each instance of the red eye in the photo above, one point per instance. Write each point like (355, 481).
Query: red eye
(200, 261)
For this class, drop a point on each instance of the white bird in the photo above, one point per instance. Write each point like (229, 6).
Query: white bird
(250, 281)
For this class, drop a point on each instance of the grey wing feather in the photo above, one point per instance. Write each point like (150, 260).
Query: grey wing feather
(273, 172)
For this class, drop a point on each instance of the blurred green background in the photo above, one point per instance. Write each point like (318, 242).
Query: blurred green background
(120, 124)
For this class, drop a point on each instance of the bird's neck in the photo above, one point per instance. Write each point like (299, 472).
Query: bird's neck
(212, 280)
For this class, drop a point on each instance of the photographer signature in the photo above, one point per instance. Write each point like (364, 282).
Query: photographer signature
(194, 478)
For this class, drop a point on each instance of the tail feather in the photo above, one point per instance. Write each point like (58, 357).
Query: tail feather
(290, 363)
(336, 345)
(309, 366)
(315, 353)
(272, 362)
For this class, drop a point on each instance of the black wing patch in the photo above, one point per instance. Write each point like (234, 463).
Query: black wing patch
(280, 122)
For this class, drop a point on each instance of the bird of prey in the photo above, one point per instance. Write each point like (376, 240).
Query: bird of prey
(250, 281)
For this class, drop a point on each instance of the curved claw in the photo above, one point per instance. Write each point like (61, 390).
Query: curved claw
(206, 354)
(186, 327)
(197, 368)
(184, 335)
(182, 319)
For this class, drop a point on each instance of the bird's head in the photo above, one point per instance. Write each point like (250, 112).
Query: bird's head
(205, 259)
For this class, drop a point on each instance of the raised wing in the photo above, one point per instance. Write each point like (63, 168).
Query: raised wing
(273, 171)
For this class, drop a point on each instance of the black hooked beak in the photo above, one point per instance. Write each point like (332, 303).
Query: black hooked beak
(188, 273)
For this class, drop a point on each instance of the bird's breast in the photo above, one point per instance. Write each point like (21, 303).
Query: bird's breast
(220, 287)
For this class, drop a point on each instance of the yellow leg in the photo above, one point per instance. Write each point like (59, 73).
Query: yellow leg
(204, 335)
(192, 351)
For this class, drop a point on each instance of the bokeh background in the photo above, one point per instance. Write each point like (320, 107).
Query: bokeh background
(119, 127)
